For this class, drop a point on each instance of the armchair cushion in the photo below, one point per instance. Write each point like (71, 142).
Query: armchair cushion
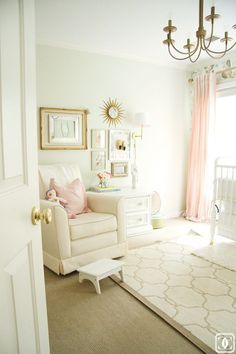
(90, 224)
(63, 173)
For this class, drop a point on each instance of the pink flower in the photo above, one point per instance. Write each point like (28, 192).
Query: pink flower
(104, 175)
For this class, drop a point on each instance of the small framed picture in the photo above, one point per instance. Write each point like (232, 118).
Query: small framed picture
(119, 145)
(98, 160)
(119, 169)
(98, 139)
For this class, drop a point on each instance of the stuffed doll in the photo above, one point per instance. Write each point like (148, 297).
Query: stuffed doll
(51, 196)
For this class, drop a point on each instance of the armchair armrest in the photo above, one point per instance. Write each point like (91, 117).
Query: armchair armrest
(110, 204)
(56, 235)
(46, 204)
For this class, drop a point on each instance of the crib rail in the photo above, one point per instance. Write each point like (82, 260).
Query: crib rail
(223, 219)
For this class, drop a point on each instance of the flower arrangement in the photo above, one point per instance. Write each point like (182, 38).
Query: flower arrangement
(104, 179)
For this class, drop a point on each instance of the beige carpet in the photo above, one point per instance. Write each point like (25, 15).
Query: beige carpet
(82, 322)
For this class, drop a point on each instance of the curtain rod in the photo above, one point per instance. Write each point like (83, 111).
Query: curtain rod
(226, 69)
(217, 72)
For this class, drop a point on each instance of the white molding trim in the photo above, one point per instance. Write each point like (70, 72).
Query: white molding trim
(173, 215)
(62, 45)
(226, 85)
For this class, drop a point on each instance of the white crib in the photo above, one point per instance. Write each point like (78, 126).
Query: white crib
(223, 214)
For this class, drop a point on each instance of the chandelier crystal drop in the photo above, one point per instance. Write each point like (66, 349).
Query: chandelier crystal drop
(193, 51)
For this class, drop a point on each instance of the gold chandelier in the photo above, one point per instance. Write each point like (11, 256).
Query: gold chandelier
(194, 51)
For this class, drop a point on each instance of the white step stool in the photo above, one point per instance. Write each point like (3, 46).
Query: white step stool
(99, 270)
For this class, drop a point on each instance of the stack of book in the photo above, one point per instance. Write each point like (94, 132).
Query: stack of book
(104, 189)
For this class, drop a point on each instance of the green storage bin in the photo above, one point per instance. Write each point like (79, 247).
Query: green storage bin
(157, 221)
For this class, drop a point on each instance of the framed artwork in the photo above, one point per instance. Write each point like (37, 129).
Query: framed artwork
(119, 145)
(119, 169)
(98, 139)
(63, 129)
(98, 160)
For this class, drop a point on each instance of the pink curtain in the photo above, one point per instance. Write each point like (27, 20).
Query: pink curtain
(199, 181)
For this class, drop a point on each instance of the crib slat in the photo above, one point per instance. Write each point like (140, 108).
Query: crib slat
(231, 196)
(225, 196)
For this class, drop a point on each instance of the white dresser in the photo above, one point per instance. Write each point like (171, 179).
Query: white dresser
(137, 213)
(137, 206)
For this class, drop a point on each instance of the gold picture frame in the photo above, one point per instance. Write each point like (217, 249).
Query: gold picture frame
(119, 145)
(98, 139)
(98, 160)
(63, 129)
(119, 169)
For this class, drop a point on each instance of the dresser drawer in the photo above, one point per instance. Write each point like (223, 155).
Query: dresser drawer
(135, 220)
(136, 204)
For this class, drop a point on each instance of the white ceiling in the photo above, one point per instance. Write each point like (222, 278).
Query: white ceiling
(125, 28)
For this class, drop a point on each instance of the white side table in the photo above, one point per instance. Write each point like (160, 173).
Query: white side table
(99, 270)
(137, 211)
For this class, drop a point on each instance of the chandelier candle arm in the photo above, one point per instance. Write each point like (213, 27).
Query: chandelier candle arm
(201, 38)
(185, 47)
(188, 45)
(210, 38)
(213, 16)
(169, 28)
(188, 54)
(194, 60)
(218, 56)
(170, 41)
(226, 38)
(221, 52)
(187, 57)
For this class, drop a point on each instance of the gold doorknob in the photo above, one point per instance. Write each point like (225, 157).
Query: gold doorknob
(38, 215)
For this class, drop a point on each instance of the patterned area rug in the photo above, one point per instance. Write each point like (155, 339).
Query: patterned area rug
(217, 254)
(195, 296)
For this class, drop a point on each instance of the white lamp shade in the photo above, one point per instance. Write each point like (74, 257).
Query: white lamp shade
(142, 119)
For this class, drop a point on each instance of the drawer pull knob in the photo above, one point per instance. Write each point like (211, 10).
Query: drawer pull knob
(140, 219)
(140, 203)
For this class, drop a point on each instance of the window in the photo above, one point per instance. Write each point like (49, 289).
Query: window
(226, 123)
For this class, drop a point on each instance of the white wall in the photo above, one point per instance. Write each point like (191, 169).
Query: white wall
(72, 79)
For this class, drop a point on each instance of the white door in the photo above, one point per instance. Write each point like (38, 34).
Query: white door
(23, 319)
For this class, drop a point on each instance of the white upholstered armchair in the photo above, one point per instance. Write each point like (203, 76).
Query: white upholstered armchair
(70, 243)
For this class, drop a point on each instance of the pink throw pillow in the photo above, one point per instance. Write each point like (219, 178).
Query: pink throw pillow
(75, 195)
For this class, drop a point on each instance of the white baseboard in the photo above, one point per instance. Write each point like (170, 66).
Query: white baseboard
(176, 214)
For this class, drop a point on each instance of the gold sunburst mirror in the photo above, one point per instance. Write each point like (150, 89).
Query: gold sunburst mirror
(112, 112)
